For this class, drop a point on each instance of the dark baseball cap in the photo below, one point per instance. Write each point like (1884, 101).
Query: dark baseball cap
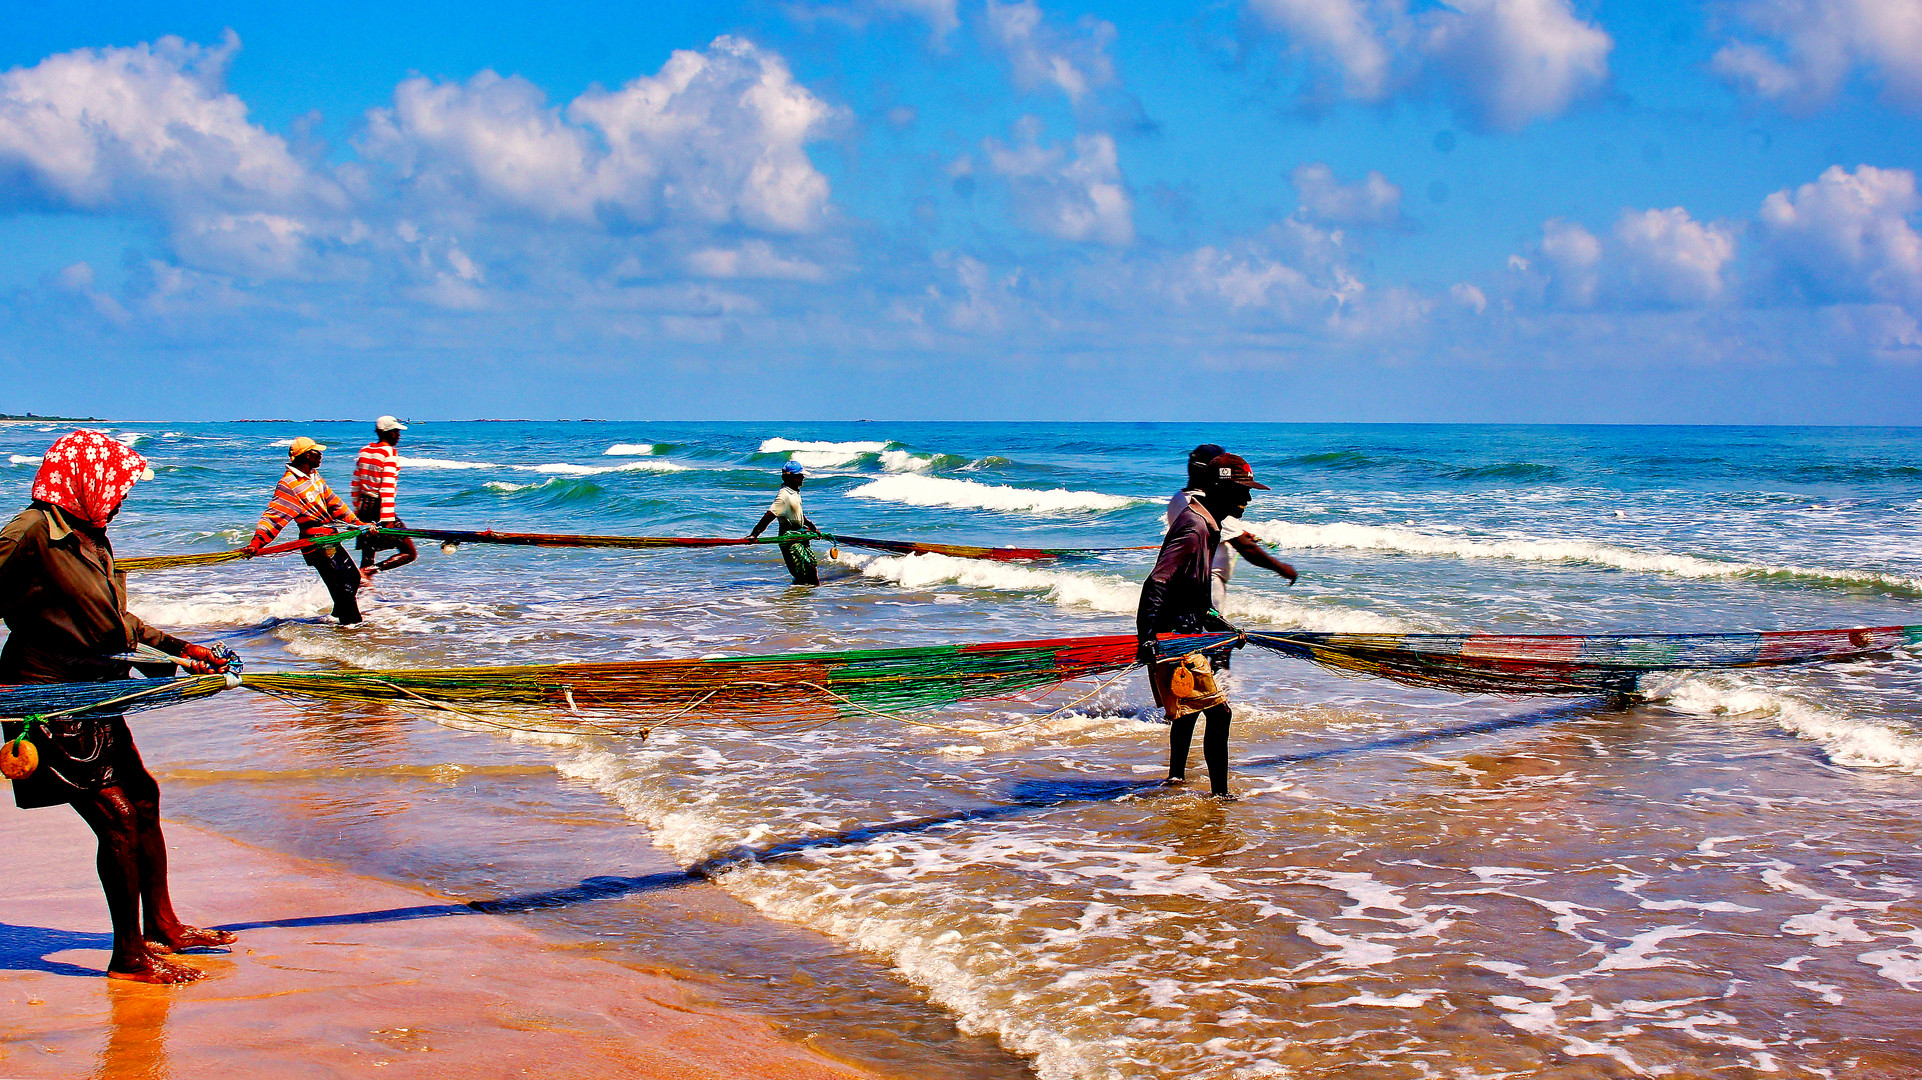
(1231, 469)
(1205, 453)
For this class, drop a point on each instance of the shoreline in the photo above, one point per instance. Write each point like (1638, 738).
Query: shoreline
(338, 973)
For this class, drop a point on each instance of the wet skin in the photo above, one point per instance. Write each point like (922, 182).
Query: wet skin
(132, 862)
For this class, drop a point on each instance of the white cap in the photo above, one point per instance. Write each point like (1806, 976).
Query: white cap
(388, 423)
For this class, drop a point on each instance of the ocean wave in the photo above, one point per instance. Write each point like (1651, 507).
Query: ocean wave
(823, 455)
(1103, 592)
(565, 469)
(901, 461)
(442, 463)
(1509, 470)
(560, 489)
(622, 449)
(1334, 459)
(1854, 743)
(226, 609)
(132, 438)
(916, 490)
(558, 468)
(24, 459)
(1288, 535)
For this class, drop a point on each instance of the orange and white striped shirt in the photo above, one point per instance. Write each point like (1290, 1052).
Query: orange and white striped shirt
(306, 499)
(377, 476)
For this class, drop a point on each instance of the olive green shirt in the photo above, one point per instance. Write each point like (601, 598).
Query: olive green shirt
(64, 604)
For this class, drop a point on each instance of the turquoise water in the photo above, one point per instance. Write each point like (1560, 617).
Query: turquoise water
(1411, 883)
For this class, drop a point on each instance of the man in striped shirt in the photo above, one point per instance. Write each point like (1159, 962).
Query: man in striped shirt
(376, 476)
(303, 498)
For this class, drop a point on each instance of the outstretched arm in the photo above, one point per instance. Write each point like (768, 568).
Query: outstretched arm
(761, 525)
(1252, 550)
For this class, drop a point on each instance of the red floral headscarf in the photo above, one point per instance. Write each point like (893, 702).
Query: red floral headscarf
(87, 473)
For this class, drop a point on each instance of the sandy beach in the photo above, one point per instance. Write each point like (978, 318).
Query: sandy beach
(336, 975)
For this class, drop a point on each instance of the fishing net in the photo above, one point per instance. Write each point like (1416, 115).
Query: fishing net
(139, 563)
(810, 688)
(1556, 663)
(782, 689)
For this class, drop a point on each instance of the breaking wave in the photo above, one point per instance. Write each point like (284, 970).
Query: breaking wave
(1288, 535)
(1854, 743)
(1103, 592)
(916, 490)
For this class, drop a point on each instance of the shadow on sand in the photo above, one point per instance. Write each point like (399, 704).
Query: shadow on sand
(26, 947)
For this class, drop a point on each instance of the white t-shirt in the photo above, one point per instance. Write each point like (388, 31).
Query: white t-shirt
(1224, 564)
(787, 507)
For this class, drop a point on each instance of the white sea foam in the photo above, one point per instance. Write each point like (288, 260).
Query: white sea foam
(23, 459)
(443, 463)
(622, 449)
(1289, 535)
(821, 455)
(900, 461)
(916, 490)
(1856, 743)
(227, 609)
(1102, 592)
(557, 468)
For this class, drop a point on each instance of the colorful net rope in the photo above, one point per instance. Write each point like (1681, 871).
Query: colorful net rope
(571, 540)
(804, 688)
(1555, 663)
(780, 689)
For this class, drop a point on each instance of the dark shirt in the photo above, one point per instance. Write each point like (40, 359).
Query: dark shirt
(1177, 596)
(64, 604)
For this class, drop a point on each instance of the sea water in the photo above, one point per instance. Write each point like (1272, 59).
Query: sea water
(1721, 881)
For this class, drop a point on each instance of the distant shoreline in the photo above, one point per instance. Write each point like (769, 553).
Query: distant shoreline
(29, 418)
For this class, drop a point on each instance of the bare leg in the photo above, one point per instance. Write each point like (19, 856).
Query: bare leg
(112, 817)
(1214, 747)
(163, 929)
(1181, 732)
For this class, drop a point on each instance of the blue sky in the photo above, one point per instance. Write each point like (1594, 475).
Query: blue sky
(1495, 210)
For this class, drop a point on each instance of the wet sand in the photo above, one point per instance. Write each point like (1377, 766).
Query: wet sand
(334, 975)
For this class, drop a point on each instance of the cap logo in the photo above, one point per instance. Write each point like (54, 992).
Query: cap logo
(1226, 472)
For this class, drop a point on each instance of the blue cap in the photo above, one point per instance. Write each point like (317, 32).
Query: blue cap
(793, 468)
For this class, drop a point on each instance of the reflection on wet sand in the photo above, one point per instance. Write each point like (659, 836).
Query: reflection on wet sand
(136, 1043)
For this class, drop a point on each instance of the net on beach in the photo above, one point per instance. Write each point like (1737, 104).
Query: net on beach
(1557, 663)
(782, 689)
(808, 688)
(139, 563)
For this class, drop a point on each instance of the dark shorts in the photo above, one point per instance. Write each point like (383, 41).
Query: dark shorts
(372, 542)
(79, 758)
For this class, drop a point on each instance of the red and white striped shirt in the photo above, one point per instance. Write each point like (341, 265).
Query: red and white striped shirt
(377, 476)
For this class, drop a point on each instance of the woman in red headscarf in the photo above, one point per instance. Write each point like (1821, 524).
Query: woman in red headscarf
(65, 607)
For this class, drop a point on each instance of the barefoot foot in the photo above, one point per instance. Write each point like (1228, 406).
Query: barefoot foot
(154, 969)
(189, 937)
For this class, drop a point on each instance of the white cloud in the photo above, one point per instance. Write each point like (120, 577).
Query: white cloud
(1042, 55)
(1469, 296)
(1810, 48)
(1506, 63)
(1079, 198)
(1517, 61)
(1355, 35)
(1846, 236)
(1665, 257)
(1572, 256)
(1652, 258)
(715, 138)
(753, 259)
(1372, 201)
(142, 127)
